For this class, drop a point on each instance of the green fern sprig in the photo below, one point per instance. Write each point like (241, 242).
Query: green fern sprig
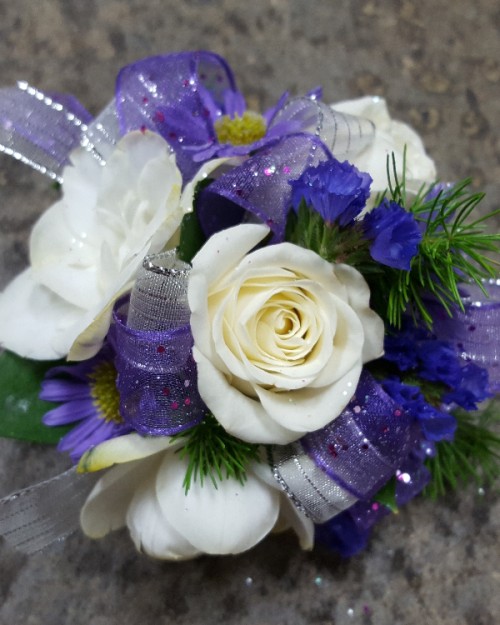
(472, 456)
(453, 250)
(214, 454)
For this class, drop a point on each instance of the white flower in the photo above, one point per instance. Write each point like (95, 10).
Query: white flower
(144, 491)
(87, 247)
(280, 335)
(391, 137)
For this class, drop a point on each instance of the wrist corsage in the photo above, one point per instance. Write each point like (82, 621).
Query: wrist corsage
(237, 323)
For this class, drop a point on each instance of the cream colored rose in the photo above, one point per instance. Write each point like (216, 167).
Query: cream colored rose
(280, 335)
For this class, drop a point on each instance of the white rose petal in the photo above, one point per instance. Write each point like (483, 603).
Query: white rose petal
(280, 335)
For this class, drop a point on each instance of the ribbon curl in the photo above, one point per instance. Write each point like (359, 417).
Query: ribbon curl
(157, 378)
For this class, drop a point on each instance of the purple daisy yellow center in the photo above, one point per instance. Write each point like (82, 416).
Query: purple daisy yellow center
(240, 130)
(104, 392)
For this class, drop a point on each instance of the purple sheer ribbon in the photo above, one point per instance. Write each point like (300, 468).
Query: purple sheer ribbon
(157, 378)
(475, 331)
(179, 96)
(259, 188)
(175, 95)
(344, 135)
(350, 459)
(40, 130)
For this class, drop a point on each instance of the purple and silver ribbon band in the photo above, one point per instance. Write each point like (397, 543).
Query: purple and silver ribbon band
(157, 378)
(350, 459)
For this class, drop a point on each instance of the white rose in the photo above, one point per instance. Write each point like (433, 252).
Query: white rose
(85, 249)
(145, 492)
(280, 335)
(391, 137)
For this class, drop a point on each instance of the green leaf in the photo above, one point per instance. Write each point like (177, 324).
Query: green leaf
(191, 239)
(386, 496)
(21, 410)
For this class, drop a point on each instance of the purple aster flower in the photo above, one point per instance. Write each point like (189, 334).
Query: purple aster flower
(394, 233)
(191, 99)
(337, 191)
(90, 399)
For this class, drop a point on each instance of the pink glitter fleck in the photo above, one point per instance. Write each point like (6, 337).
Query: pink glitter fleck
(174, 405)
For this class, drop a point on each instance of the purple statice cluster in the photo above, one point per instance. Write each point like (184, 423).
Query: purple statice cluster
(339, 192)
(417, 353)
(394, 234)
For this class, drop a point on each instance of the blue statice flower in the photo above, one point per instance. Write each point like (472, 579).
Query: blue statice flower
(439, 362)
(348, 532)
(401, 349)
(471, 389)
(89, 398)
(440, 188)
(413, 476)
(337, 191)
(436, 424)
(394, 233)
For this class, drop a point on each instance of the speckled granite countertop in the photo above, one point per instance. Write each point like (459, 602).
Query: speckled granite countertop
(438, 64)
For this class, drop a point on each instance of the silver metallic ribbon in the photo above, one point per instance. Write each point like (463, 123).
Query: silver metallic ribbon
(35, 517)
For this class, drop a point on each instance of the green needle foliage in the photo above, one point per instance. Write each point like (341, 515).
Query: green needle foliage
(332, 242)
(473, 455)
(454, 249)
(214, 454)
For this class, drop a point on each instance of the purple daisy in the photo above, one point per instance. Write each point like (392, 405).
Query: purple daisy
(192, 101)
(90, 399)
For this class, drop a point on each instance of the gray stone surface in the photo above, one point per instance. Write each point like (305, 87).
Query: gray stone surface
(438, 65)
